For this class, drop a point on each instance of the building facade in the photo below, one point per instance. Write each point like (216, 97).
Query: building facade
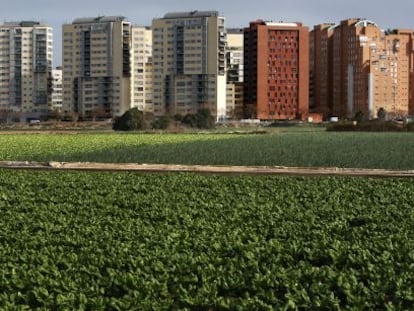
(371, 69)
(189, 63)
(276, 71)
(57, 90)
(320, 69)
(97, 66)
(141, 89)
(235, 73)
(351, 52)
(26, 53)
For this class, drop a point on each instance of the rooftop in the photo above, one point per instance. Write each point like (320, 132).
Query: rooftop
(275, 24)
(235, 30)
(99, 19)
(24, 24)
(191, 14)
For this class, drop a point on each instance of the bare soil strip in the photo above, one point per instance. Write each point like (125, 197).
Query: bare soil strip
(206, 169)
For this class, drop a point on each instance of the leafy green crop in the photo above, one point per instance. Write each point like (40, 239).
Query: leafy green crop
(360, 150)
(100, 241)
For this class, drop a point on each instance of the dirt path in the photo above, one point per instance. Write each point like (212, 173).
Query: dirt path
(206, 169)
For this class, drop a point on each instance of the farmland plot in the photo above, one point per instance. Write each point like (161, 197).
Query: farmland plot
(99, 241)
(306, 149)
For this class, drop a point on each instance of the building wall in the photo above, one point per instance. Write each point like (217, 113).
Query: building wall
(234, 100)
(57, 90)
(96, 66)
(234, 72)
(141, 90)
(320, 93)
(189, 63)
(371, 70)
(276, 70)
(234, 55)
(26, 52)
(390, 67)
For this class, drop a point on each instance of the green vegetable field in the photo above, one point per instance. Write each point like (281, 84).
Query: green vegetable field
(121, 241)
(305, 149)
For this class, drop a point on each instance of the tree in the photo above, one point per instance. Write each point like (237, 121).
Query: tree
(161, 123)
(178, 117)
(131, 120)
(202, 119)
(381, 114)
(359, 116)
(4, 115)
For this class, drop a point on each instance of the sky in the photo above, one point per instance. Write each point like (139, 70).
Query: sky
(238, 13)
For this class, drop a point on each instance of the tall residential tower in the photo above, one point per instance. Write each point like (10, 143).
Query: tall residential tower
(320, 63)
(189, 63)
(371, 69)
(141, 90)
(26, 52)
(97, 66)
(276, 70)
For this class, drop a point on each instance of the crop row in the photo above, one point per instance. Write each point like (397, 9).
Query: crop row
(360, 150)
(100, 241)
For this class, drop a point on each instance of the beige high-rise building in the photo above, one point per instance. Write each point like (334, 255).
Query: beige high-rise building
(141, 90)
(189, 63)
(26, 52)
(97, 66)
(234, 67)
(371, 69)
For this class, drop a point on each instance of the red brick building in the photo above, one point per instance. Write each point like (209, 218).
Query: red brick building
(276, 71)
(356, 68)
(321, 73)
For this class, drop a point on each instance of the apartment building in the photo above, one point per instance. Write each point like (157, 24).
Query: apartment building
(320, 69)
(141, 89)
(235, 73)
(57, 90)
(26, 52)
(351, 53)
(371, 69)
(276, 70)
(97, 66)
(189, 63)
(390, 74)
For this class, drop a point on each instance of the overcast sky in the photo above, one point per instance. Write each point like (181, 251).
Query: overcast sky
(387, 14)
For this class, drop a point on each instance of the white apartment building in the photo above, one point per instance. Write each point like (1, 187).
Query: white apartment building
(97, 66)
(141, 89)
(57, 89)
(26, 52)
(189, 63)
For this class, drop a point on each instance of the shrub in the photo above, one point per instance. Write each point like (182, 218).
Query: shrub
(368, 126)
(161, 123)
(178, 117)
(382, 114)
(410, 127)
(202, 119)
(340, 127)
(131, 120)
(359, 116)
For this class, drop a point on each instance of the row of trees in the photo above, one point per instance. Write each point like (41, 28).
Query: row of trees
(134, 119)
(381, 115)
